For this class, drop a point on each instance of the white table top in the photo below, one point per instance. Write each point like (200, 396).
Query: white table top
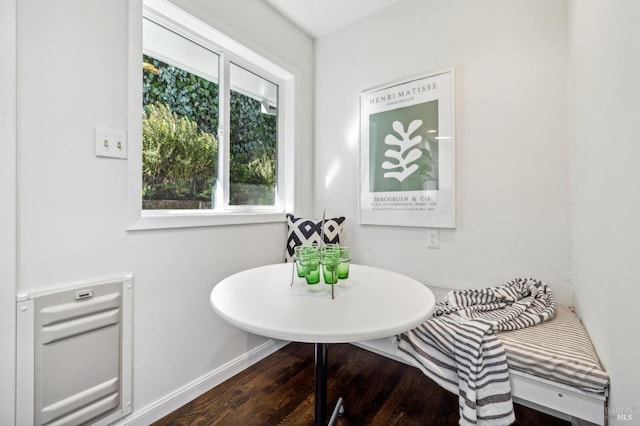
(370, 304)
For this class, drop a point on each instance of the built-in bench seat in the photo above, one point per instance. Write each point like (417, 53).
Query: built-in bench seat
(554, 367)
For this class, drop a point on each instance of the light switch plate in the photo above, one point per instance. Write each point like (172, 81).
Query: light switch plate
(110, 143)
(433, 238)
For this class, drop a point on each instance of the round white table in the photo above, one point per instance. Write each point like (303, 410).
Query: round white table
(372, 303)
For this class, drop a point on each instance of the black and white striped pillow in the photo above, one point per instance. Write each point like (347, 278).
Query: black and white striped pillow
(307, 231)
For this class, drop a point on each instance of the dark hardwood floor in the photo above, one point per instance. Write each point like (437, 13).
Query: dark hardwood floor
(279, 390)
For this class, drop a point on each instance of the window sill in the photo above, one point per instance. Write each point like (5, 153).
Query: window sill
(167, 219)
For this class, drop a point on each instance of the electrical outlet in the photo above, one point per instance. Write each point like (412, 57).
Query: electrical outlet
(433, 238)
(110, 143)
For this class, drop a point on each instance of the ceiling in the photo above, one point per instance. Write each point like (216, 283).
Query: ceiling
(321, 17)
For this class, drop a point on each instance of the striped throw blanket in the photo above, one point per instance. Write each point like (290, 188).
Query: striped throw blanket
(458, 349)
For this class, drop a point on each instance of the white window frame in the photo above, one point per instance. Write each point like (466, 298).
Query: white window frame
(175, 19)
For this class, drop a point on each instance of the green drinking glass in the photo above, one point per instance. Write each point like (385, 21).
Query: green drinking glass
(345, 260)
(330, 262)
(297, 255)
(310, 262)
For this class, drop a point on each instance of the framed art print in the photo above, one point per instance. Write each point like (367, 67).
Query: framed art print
(407, 153)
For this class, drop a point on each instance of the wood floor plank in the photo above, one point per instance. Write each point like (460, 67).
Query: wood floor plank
(279, 390)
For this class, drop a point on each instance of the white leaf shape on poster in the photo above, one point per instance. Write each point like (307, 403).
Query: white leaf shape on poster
(406, 155)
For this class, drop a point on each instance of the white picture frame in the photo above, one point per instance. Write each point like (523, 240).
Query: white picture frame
(408, 152)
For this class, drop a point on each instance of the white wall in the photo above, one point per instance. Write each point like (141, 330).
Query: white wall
(605, 106)
(7, 209)
(510, 60)
(72, 68)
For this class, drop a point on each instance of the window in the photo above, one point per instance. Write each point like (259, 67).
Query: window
(180, 91)
(216, 132)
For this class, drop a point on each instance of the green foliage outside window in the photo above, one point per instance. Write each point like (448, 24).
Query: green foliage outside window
(252, 168)
(188, 105)
(178, 159)
(186, 94)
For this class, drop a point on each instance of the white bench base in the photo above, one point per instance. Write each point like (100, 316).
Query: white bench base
(553, 398)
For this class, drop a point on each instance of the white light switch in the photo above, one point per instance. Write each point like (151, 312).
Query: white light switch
(110, 143)
(433, 238)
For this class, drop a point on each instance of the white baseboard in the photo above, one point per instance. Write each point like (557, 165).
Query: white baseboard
(182, 396)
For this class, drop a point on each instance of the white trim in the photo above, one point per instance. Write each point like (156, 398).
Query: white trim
(557, 399)
(160, 219)
(181, 21)
(224, 144)
(134, 116)
(182, 396)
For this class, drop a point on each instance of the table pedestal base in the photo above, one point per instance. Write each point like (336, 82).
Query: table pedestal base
(338, 410)
(321, 388)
